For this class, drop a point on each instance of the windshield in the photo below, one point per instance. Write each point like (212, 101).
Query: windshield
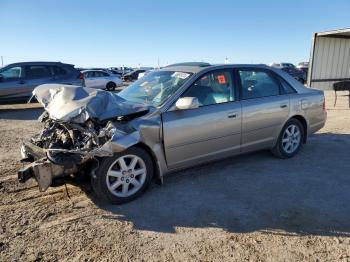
(155, 88)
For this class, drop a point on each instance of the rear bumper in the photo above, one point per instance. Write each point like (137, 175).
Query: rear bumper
(319, 124)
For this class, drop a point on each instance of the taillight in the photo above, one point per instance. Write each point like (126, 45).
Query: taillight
(81, 76)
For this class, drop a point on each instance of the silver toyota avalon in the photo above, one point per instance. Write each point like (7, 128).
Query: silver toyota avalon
(177, 117)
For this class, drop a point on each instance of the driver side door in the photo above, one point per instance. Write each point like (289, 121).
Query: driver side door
(211, 131)
(12, 84)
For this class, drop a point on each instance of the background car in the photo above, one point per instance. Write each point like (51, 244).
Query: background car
(304, 66)
(101, 79)
(292, 70)
(122, 70)
(115, 72)
(133, 75)
(18, 80)
(145, 73)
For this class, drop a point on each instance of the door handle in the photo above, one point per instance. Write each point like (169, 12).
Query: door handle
(232, 115)
(283, 106)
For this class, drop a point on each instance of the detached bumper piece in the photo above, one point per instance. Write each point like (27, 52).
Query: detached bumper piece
(43, 171)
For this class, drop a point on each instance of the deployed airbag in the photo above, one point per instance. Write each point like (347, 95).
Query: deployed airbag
(77, 104)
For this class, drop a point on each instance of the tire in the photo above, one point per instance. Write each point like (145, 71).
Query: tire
(123, 183)
(111, 86)
(287, 145)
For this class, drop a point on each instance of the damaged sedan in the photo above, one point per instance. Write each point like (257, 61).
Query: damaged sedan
(173, 118)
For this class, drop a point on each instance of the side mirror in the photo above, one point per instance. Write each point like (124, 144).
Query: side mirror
(187, 103)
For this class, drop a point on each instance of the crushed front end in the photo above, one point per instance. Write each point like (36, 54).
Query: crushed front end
(62, 149)
(80, 125)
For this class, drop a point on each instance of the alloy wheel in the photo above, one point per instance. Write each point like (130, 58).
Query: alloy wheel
(291, 139)
(126, 175)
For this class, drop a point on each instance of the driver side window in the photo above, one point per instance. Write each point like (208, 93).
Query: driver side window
(13, 73)
(213, 88)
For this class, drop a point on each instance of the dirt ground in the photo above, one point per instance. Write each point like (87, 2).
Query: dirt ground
(248, 208)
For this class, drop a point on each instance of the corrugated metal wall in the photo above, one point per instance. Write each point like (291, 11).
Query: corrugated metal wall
(331, 60)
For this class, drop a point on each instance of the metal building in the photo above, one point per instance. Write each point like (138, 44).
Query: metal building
(330, 58)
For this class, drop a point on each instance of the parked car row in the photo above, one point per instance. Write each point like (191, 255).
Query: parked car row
(304, 66)
(18, 80)
(133, 75)
(299, 73)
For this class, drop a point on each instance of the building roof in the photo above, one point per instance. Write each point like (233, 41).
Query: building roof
(344, 32)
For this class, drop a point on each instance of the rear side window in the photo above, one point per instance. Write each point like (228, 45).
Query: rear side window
(37, 71)
(98, 74)
(89, 74)
(287, 89)
(258, 83)
(58, 71)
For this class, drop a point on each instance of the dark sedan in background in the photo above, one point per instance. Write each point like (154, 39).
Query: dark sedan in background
(292, 70)
(18, 80)
(134, 75)
(304, 66)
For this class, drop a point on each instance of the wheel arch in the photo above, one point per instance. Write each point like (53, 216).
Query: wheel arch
(153, 157)
(303, 121)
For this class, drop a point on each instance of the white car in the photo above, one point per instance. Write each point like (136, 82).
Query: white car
(101, 79)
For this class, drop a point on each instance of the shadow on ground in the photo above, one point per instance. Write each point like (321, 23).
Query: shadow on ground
(308, 194)
(21, 114)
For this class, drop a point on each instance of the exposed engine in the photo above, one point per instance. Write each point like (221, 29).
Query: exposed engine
(66, 143)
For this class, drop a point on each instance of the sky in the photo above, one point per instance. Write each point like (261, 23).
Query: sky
(147, 33)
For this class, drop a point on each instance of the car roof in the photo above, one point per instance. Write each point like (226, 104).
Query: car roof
(38, 63)
(197, 68)
(94, 70)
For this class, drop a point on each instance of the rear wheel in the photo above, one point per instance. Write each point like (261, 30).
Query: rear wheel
(290, 140)
(111, 86)
(123, 177)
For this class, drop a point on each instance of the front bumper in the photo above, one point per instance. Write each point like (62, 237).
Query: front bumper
(40, 168)
(43, 171)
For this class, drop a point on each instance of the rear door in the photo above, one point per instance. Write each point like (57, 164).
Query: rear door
(59, 74)
(37, 75)
(210, 131)
(12, 84)
(265, 108)
(100, 79)
(90, 79)
(104, 79)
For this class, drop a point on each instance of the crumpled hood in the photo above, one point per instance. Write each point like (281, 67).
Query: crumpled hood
(77, 104)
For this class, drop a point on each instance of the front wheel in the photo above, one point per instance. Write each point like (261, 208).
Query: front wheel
(290, 140)
(123, 177)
